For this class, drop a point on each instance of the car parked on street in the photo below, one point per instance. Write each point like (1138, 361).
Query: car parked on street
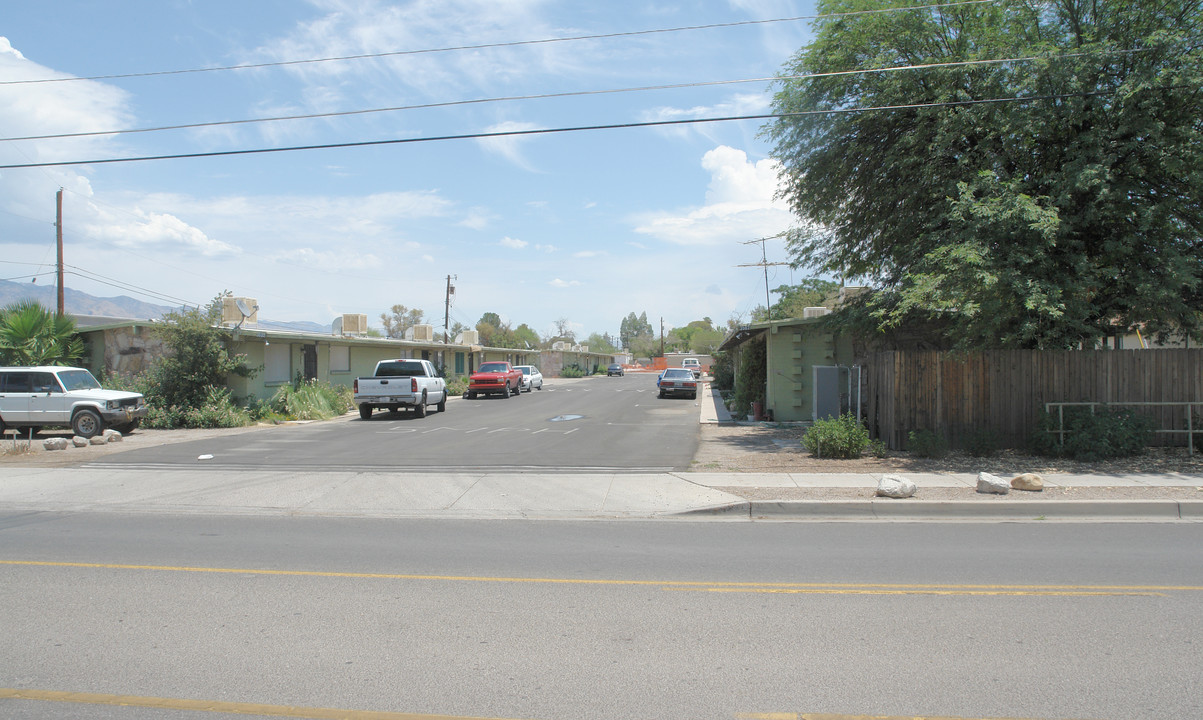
(532, 379)
(677, 381)
(495, 378)
(694, 366)
(614, 369)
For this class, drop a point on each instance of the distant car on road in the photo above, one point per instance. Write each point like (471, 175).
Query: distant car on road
(532, 379)
(693, 365)
(614, 369)
(677, 381)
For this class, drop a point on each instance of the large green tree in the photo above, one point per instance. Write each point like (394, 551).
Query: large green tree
(1045, 196)
(399, 319)
(32, 335)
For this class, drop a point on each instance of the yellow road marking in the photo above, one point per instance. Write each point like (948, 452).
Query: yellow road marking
(829, 716)
(850, 588)
(214, 706)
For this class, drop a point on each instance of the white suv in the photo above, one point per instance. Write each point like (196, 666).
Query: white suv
(66, 396)
(693, 365)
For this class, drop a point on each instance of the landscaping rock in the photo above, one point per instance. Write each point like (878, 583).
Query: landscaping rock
(1028, 481)
(895, 486)
(97, 440)
(78, 441)
(111, 435)
(55, 444)
(987, 483)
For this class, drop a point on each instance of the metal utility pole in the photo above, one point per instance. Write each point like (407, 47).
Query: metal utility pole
(764, 262)
(447, 308)
(58, 228)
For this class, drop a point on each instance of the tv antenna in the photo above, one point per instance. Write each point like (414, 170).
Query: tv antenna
(764, 262)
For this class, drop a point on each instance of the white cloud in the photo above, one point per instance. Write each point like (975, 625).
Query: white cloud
(740, 204)
(513, 243)
(558, 283)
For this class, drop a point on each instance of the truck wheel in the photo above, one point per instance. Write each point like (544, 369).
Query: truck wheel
(471, 395)
(420, 408)
(365, 412)
(442, 406)
(86, 423)
(505, 393)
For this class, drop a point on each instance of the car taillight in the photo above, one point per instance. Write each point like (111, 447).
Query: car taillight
(413, 384)
(355, 389)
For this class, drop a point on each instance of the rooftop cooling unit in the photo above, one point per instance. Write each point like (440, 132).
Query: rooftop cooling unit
(424, 333)
(351, 324)
(559, 345)
(469, 337)
(814, 312)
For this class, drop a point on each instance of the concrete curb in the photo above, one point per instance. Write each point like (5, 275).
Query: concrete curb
(885, 509)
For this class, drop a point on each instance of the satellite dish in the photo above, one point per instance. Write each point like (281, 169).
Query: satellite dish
(245, 310)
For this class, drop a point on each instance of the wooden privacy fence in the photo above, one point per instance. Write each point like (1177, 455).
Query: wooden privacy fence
(1001, 392)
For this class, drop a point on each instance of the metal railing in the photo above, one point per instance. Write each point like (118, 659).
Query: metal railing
(1189, 431)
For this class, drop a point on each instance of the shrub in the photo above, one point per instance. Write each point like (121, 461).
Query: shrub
(458, 386)
(311, 400)
(216, 410)
(572, 371)
(927, 444)
(844, 437)
(878, 449)
(723, 372)
(1094, 436)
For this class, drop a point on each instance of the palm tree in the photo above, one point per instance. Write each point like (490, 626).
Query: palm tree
(32, 335)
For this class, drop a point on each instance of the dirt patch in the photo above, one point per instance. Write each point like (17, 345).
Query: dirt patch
(778, 449)
(24, 452)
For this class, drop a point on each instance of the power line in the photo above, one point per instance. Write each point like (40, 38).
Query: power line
(575, 93)
(485, 46)
(547, 131)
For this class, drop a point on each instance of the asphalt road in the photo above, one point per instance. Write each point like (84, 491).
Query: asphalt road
(543, 620)
(610, 424)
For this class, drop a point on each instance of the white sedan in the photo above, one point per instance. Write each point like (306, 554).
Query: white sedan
(531, 377)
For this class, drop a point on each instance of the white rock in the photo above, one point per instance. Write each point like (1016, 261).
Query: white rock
(96, 440)
(895, 486)
(987, 483)
(78, 441)
(55, 444)
(1028, 481)
(111, 436)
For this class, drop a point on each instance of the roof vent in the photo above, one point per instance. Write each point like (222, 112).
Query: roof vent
(814, 312)
(350, 324)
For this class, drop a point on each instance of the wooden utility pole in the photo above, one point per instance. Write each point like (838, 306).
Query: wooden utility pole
(447, 309)
(58, 227)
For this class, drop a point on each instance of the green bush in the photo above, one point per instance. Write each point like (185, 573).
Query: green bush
(572, 371)
(1094, 436)
(458, 386)
(844, 437)
(878, 449)
(216, 410)
(311, 400)
(927, 444)
(723, 372)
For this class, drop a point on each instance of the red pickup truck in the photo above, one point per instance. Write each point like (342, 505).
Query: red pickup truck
(495, 377)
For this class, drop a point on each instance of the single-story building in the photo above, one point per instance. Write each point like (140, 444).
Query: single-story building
(810, 372)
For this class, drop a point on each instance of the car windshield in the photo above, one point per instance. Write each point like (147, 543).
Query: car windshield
(525, 369)
(494, 367)
(78, 380)
(677, 373)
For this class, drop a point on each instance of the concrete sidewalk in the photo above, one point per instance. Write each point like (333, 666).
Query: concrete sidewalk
(571, 495)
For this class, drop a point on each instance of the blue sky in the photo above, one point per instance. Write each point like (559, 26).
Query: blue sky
(583, 226)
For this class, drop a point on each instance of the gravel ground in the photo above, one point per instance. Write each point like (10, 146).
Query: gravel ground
(769, 449)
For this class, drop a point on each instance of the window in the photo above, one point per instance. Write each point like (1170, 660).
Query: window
(340, 358)
(277, 365)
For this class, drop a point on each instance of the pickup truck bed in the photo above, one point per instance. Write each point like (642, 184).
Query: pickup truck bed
(398, 384)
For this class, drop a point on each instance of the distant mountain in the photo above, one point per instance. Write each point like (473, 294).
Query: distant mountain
(82, 304)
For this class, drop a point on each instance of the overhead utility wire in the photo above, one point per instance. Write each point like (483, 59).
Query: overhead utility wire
(546, 131)
(576, 93)
(104, 280)
(486, 46)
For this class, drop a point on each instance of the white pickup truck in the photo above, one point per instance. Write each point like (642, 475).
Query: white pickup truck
(401, 384)
(33, 397)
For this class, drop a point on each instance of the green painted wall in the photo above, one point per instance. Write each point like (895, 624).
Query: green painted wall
(792, 353)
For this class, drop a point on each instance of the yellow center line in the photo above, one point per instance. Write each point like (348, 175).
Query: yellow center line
(667, 584)
(829, 716)
(214, 706)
